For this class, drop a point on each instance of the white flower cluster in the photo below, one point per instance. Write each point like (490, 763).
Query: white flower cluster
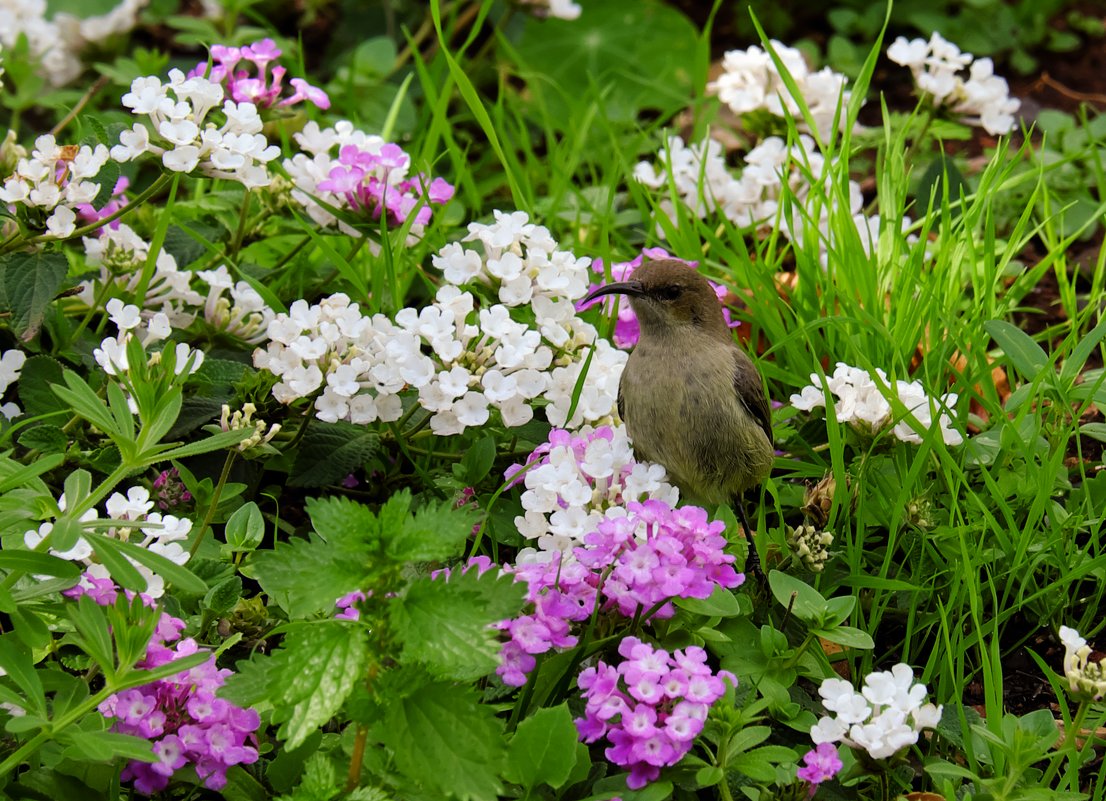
(55, 42)
(750, 81)
(704, 183)
(1085, 678)
(579, 480)
(982, 98)
(886, 715)
(235, 150)
(461, 360)
(862, 404)
(79, 32)
(112, 353)
(56, 179)
(11, 364)
(162, 534)
(120, 254)
(561, 9)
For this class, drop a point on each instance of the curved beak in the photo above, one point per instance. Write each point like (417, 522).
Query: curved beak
(632, 288)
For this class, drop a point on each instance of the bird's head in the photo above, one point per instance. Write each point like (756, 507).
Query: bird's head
(667, 295)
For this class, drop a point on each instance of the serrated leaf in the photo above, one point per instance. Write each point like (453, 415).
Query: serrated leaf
(445, 624)
(45, 439)
(307, 679)
(35, 394)
(435, 531)
(186, 248)
(28, 284)
(291, 573)
(443, 740)
(330, 452)
(543, 750)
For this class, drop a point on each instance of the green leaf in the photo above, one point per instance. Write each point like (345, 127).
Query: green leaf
(15, 660)
(38, 564)
(221, 598)
(339, 551)
(1024, 354)
(38, 373)
(443, 740)
(80, 397)
(848, 636)
(245, 529)
(444, 624)
(808, 603)
(28, 284)
(104, 746)
(478, 460)
(637, 53)
(307, 679)
(45, 439)
(436, 531)
(180, 577)
(331, 451)
(93, 635)
(216, 442)
(543, 750)
(721, 603)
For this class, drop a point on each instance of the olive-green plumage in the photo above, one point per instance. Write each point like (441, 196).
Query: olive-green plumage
(690, 397)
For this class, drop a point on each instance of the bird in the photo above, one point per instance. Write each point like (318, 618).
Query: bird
(691, 399)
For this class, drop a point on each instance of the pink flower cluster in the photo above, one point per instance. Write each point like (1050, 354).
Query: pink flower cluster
(626, 328)
(819, 764)
(651, 707)
(633, 564)
(264, 88)
(180, 714)
(365, 177)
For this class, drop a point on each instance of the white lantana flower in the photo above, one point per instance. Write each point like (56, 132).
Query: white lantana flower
(462, 361)
(704, 183)
(576, 480)
(1085, 678)
(55, 179)
(236, 150)
(750, 81)
(981, 98)
(862, 404)
(886, 716)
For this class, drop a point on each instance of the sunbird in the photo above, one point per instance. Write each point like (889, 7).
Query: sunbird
(691, 398)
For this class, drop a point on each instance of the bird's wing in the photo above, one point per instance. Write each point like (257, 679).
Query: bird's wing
(750, 391)
(621, 404)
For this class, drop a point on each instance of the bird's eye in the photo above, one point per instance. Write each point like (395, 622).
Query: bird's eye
(669, 292)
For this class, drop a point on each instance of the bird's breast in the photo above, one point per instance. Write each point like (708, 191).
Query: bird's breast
(681, 410)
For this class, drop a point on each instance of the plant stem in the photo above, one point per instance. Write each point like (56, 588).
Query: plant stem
(141, 198)
(210, 513)
(240, 232)
(353, 778)
(93, 90)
